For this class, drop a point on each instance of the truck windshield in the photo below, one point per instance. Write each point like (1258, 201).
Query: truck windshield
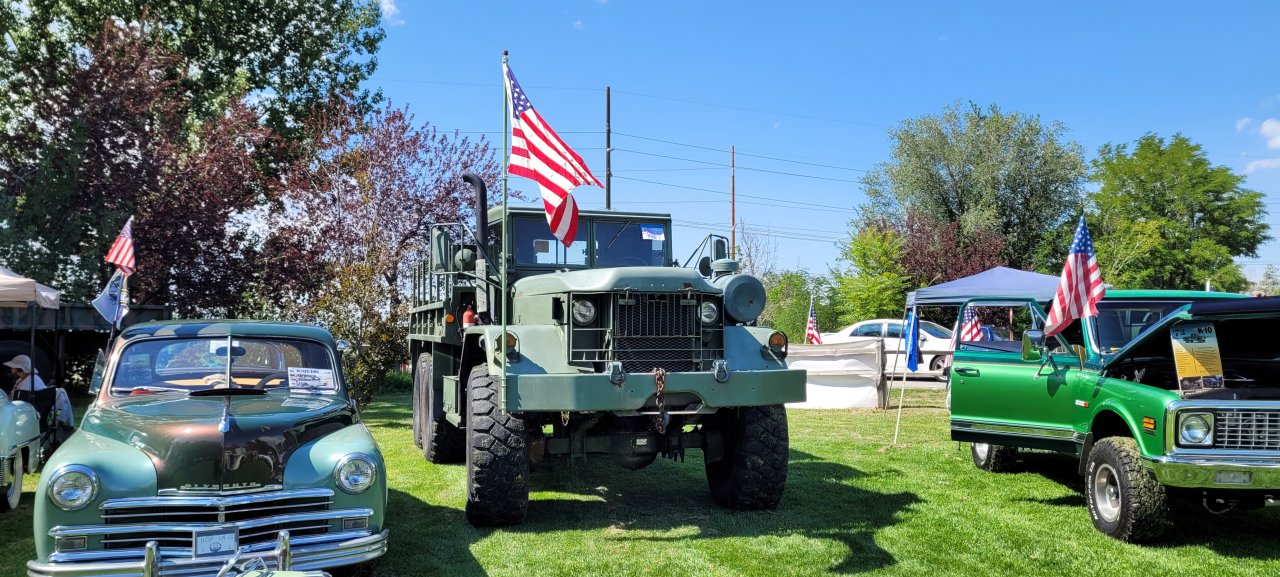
(1120, 321)
(630, 243)
(534, 244)
(193, 364)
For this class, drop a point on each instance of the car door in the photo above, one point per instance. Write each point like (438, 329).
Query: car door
(895, 359)
(999, 397)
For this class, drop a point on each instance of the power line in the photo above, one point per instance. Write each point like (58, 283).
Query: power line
(720, 164)
(713, 149)
(824, 207)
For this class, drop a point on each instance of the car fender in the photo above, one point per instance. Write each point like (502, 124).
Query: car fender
(312, 465)
(540, 349)
(1148, 444)
(19, 425)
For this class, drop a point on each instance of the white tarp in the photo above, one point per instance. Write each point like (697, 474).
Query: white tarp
(17, 290)
(841, 375)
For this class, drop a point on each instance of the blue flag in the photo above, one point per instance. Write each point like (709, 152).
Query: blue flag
(912, 334)
(113, 303)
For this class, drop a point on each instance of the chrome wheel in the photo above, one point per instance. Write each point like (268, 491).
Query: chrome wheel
(14, 492)
(981, 450)
(1106, 493)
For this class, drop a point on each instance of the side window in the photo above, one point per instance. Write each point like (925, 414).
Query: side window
(995, 327)
(894, 331)
(869, 330)
(534, 244)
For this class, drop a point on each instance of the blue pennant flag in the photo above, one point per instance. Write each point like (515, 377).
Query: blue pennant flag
(913, 341)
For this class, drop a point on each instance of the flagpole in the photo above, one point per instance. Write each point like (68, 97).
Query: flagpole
(506, 238)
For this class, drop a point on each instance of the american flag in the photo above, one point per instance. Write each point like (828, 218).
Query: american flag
(970, 328)
(121, 253)
(538, 153)
(1080, 287)
(811, 334)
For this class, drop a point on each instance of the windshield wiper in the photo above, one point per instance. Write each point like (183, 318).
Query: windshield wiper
(619, 233)
(145, 388)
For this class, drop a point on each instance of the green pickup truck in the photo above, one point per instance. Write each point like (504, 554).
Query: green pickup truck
(1107, 390)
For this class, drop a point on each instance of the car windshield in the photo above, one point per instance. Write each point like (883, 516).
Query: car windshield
(935, 330)
(193, 364)
(630, 243)
(1120, 321)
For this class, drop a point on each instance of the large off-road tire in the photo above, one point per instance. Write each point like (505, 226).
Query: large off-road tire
(497, 456)
(993, 458)
(441, 441)
(13, 493)
(1125, 499)
(753, 471)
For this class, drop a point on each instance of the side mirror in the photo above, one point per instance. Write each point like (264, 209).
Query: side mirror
(704, 266)
(99, 372)
(1032, 345)
(719, 250)
(441, 250)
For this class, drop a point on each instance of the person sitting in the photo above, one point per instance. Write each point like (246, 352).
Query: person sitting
(24, 375)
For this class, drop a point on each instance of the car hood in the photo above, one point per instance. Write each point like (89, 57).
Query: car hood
(1196, 311)
(639, 278)
(181, 434)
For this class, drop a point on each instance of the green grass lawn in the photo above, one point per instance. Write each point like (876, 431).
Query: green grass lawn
(853, 505)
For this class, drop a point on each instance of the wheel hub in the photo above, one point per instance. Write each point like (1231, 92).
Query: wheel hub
(1106, 493)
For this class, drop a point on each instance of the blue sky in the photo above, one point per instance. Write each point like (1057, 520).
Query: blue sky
(820, 84)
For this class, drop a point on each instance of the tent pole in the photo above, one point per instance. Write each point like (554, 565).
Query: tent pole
(902, 390)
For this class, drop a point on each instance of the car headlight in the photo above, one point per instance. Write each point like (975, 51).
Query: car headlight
(73, 487)
(708, 312)
(1195, 429)
(584, 311)
(355, 473)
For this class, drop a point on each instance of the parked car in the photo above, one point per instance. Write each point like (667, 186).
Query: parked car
(20, 446)
(1107, 390)
(200, 445)
(935, 341)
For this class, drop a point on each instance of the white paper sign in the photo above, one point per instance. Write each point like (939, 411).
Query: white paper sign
(309, 404)
(312, 380)
(652, 232)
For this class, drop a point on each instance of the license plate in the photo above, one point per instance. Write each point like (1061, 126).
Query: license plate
(217, 542)
(1232, 477)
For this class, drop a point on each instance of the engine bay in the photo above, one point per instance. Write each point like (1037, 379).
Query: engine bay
(1250, 362)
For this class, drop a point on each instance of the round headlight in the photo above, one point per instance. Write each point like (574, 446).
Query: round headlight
(1194, 429)
(584, 311)
(73, 487)
(708, 312)
(355, 473)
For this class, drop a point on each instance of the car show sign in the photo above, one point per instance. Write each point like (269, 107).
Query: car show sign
(1196, 356)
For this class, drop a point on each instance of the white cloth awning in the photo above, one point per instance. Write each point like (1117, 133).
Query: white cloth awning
(18, 291)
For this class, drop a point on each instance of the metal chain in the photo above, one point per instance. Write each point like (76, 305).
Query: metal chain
(660, 391)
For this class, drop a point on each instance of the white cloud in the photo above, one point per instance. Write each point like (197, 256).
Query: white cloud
(777, 125)
(1264, 164)
(579, 25)
(1243, 123)
(391, 13)
(1270, 130)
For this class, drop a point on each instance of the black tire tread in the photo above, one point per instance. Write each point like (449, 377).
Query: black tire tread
(497, 457)
(442, 442)
(753, 473)
(1146, 515)
(1000, 458)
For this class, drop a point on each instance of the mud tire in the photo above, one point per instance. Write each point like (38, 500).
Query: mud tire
(1138, 509)
(497, 457)
(752, 474)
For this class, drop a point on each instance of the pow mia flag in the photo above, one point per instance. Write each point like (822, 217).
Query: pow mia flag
(113, 303)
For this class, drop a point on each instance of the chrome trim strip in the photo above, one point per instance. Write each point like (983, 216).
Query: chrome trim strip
(1198, 472)
(63, 530)
(1021, 430)
(214, 501)
(1174, 408)
(1207, 404)
(202, 493)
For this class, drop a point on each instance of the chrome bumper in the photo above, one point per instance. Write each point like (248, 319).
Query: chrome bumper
(306, 553)
(1201, 471)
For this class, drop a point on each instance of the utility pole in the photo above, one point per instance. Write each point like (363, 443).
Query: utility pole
(608, 150)
(733, 204)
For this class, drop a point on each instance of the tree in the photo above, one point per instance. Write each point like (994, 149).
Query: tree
(787, 296)
(1201, 214)
(356, 211)
(985, 170)
(757, 250)
(935, 251)
(1269, 284)
(875, 284)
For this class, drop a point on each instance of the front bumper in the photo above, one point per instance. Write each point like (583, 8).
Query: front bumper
(1223, 471)
(308, 552)
(594, 391)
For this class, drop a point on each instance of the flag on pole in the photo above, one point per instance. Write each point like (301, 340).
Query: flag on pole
(538, 153)
(121, 253)
(1080, 287)
(113, 303)
(970, 328)
(811, 334)
(912, 335)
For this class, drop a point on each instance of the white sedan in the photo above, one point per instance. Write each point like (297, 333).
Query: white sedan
(935, 343)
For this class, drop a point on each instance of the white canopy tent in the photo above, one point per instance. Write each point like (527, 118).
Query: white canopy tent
(19, 291)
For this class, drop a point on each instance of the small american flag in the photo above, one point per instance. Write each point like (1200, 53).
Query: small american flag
(1080, 287)
(811, 334)
(970, 328)
(538, 153)
(121, 253)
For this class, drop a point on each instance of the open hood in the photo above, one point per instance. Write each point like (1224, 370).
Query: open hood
(1196, 311)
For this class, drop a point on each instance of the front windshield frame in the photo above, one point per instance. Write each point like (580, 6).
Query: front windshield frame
(587, 234)
(118, 356)
(1170, 306)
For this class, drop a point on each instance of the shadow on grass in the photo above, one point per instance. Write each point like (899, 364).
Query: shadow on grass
(1248, 534)
(427, 540)
(821, 502)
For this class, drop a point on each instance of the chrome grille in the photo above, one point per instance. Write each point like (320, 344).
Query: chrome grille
(259, 517)
(1246, 430)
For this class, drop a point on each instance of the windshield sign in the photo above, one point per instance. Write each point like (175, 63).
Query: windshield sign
(630, 243)
(197, 364)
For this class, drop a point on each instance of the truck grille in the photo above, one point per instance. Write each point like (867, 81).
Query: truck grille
(1246, 430)
(646, 331)
(169, 520)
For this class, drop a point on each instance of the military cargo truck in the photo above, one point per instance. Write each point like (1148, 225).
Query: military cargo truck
(610, 348)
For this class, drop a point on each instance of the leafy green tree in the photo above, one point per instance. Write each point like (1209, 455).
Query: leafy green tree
(787, 295)
(1269, 284)
(875, 284)
(1167, 218)
(1007, 173)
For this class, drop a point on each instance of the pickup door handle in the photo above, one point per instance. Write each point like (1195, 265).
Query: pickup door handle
(966, 371)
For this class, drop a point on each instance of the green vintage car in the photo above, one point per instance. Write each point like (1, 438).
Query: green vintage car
(1107, 391)
(19, 448)
(211, 440)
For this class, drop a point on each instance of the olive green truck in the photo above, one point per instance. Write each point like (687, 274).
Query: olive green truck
(609, 348)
